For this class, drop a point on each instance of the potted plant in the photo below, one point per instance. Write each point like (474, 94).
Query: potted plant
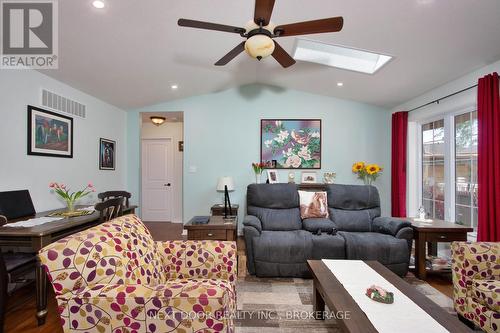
(257, 169)
(368, 173)
(70, 197)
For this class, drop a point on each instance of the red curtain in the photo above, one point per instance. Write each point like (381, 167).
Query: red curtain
(488, 117)
(398, 164)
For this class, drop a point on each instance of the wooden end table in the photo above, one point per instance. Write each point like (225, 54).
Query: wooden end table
(216, 229)
(437, 231)
(218, 210)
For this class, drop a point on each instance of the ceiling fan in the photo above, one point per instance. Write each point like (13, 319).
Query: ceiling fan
(260, 33)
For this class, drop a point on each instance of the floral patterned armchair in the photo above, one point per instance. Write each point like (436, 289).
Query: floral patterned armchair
(476, 283)
(115, 278)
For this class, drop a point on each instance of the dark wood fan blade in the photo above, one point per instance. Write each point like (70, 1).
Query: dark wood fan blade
(282, 56)
(333, 24)
(231, 55)
(263, 11)
(209, 26)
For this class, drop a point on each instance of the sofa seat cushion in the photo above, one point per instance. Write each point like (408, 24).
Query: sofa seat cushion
(385, 249)
(319, 224)
(487, 293)
(283, 246)
(277, 219)
(326, 246)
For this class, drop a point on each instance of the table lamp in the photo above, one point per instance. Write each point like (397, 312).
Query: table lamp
(226, 184)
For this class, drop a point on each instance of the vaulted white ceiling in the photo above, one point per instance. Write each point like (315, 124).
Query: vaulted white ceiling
(131, 52)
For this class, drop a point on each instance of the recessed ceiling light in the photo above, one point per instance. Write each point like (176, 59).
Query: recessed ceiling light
(98, 4)
(339, 56)
(174, 87)
(340, 84)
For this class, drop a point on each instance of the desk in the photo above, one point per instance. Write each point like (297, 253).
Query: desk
(434, 232)
(35, 238)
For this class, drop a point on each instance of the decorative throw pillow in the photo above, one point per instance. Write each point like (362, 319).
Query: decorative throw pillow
(313, 205)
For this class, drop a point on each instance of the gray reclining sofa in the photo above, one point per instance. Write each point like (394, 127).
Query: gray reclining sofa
(279, 242)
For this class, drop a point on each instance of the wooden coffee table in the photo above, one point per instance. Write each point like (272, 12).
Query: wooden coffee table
(428, 233)
(328, 290)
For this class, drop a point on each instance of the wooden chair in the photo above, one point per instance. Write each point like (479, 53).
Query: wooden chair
(115, 194)
(13, 269)
(110, 209)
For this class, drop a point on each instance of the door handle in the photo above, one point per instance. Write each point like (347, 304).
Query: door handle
(168, 184)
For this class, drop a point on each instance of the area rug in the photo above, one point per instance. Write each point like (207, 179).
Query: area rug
(285, 305)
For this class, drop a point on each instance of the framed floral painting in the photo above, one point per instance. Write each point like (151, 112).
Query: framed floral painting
(291, 143)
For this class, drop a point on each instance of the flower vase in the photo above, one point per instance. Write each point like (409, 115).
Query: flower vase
(257, 178)
(70, 206)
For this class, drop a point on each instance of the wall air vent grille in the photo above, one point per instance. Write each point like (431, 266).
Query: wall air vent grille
(63, 104)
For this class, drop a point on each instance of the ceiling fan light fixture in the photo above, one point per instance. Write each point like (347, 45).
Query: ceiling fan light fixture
(157, 120)
(259, 46)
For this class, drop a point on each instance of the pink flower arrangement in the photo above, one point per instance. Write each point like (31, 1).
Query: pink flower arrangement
(70, 197)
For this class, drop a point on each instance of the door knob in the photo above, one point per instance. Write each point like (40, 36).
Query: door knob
(167, 184)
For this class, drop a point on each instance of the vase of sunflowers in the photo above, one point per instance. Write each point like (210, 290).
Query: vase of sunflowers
(368, 173)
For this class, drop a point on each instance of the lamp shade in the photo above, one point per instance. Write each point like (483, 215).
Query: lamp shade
(259, 46)
(225, 181)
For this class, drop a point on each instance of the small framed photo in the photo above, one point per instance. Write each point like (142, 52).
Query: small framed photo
(49, 133)
(272, 176)
(107, 154)
(309, 177)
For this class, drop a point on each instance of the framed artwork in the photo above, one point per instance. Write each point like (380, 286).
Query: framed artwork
(309, 177)
(49, 133)
(107, 154)
(272, 176)
(291, 143)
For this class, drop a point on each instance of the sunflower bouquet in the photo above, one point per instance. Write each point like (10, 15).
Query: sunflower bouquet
(368, 173)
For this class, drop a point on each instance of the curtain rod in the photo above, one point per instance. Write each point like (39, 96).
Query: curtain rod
(440, 99)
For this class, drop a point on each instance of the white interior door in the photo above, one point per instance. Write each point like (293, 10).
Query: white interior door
(157, 180)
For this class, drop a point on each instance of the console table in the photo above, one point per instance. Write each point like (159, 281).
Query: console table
(32, 239)
(436, 231)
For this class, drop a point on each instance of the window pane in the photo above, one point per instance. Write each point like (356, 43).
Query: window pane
(466, 168)
(433, 181)
(439, 210)
(463, 214)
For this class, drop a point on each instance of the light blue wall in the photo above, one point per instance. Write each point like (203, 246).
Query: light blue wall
(221, 137)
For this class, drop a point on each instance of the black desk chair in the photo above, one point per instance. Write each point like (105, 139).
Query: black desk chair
(13, 269)
(110, 209)
(115, 194)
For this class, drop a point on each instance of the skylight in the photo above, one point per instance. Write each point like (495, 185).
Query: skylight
(339, 56)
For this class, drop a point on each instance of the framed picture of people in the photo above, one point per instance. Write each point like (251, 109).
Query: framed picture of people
(49, 133)
(107, 154)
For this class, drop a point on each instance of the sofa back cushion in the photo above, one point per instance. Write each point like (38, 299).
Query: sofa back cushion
(276, 196)
(120, 251)
(275, 205)
(353, 207)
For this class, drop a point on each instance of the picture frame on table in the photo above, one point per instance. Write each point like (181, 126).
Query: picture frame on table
(49, 133)
(107, 154)
(309, 177)
(272, 176)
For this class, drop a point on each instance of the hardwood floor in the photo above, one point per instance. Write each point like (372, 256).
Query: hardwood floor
(21, 310)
